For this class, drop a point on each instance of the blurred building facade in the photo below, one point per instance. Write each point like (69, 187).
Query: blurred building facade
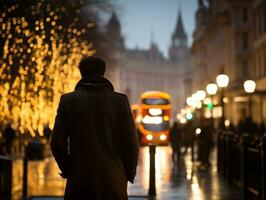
(139, 70)
(259, 56)
(224, 43)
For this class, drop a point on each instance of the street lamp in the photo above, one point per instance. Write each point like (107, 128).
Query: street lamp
(222, 81)
(249, 87)
(201, 94)
(211, 90)
(190, 101)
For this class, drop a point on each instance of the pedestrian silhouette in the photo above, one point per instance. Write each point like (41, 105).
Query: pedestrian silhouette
(188, 135)
(205, 142)
(47, 132)
(9, 136)
(175, 138)
(247, 126)
(96, 124)
(261, 129)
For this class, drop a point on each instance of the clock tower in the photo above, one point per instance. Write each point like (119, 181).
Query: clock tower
(178, 41)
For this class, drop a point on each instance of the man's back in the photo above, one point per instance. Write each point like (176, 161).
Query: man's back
(103, 147)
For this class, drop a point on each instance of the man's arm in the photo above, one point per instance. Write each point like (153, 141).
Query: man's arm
(130, 142)
(59, 140)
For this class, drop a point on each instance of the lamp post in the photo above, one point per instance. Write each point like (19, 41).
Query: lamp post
(222, 81)
(249, 87)
(211, 90)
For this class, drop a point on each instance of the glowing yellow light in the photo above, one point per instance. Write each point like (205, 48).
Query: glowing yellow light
(166, 118)
(31, 100)
(149, 137)
(163, 137)
(198, 131)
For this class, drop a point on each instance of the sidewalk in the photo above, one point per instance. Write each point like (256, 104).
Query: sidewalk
(188, 182)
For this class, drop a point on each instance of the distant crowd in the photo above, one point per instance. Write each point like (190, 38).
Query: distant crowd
(202, 136)
(8, 136)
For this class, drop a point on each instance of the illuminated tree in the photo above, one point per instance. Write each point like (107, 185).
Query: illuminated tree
(40, 46)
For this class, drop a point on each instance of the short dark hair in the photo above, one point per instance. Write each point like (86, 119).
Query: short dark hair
(92, 66)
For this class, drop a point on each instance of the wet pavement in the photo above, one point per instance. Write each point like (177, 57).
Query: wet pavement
(189, 181)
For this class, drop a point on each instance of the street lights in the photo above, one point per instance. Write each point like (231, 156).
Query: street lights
(201, 94)
(249, 87)
(211, 90)
(222, 81)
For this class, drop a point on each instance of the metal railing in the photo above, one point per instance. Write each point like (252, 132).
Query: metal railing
(242, 161)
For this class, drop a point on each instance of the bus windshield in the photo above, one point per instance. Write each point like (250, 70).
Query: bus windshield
(157, 127)
(155, 101)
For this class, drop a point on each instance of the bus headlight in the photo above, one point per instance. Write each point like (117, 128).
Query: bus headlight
(162, 137)
(155, 111)
(149, 137)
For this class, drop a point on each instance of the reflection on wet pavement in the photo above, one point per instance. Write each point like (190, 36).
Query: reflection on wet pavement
(186, 182)
(189, 181)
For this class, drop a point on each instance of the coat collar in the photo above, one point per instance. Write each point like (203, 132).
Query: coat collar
(94, 82)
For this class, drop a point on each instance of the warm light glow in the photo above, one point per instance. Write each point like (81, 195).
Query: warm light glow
(198, 131)
(199, 105)
(249, 86)
(190, 101)
(211, 89)
(149, 137)
(183, 121)
(179, 116)
(225, 100)
(183, 111)
(166, 118)
(152, 120)
(222, 80)
(163, 137)
(189, 116)
(201, 94)
(47, 68)
(138, 118)
(207, 101)
(194, 97)
(227, 123)
(155, 111)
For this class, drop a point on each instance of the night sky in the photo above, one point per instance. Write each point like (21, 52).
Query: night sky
(143, 20)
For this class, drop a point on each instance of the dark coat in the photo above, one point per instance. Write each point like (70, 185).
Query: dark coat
(103, 147)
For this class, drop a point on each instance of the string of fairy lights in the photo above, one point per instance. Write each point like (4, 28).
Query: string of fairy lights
(38, 63)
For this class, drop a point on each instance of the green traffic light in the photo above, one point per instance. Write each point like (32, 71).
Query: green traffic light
(210, 106)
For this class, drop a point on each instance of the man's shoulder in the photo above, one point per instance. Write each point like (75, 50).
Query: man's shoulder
(66, 96)
(118, 95)
(69, 94)
(121, 96)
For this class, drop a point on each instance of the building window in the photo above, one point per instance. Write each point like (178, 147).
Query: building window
(245, 14)
(264, 60)
(245, 70)
(257, 22)
(245, 41)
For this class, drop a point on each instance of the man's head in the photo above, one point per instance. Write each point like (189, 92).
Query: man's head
(92, 66)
